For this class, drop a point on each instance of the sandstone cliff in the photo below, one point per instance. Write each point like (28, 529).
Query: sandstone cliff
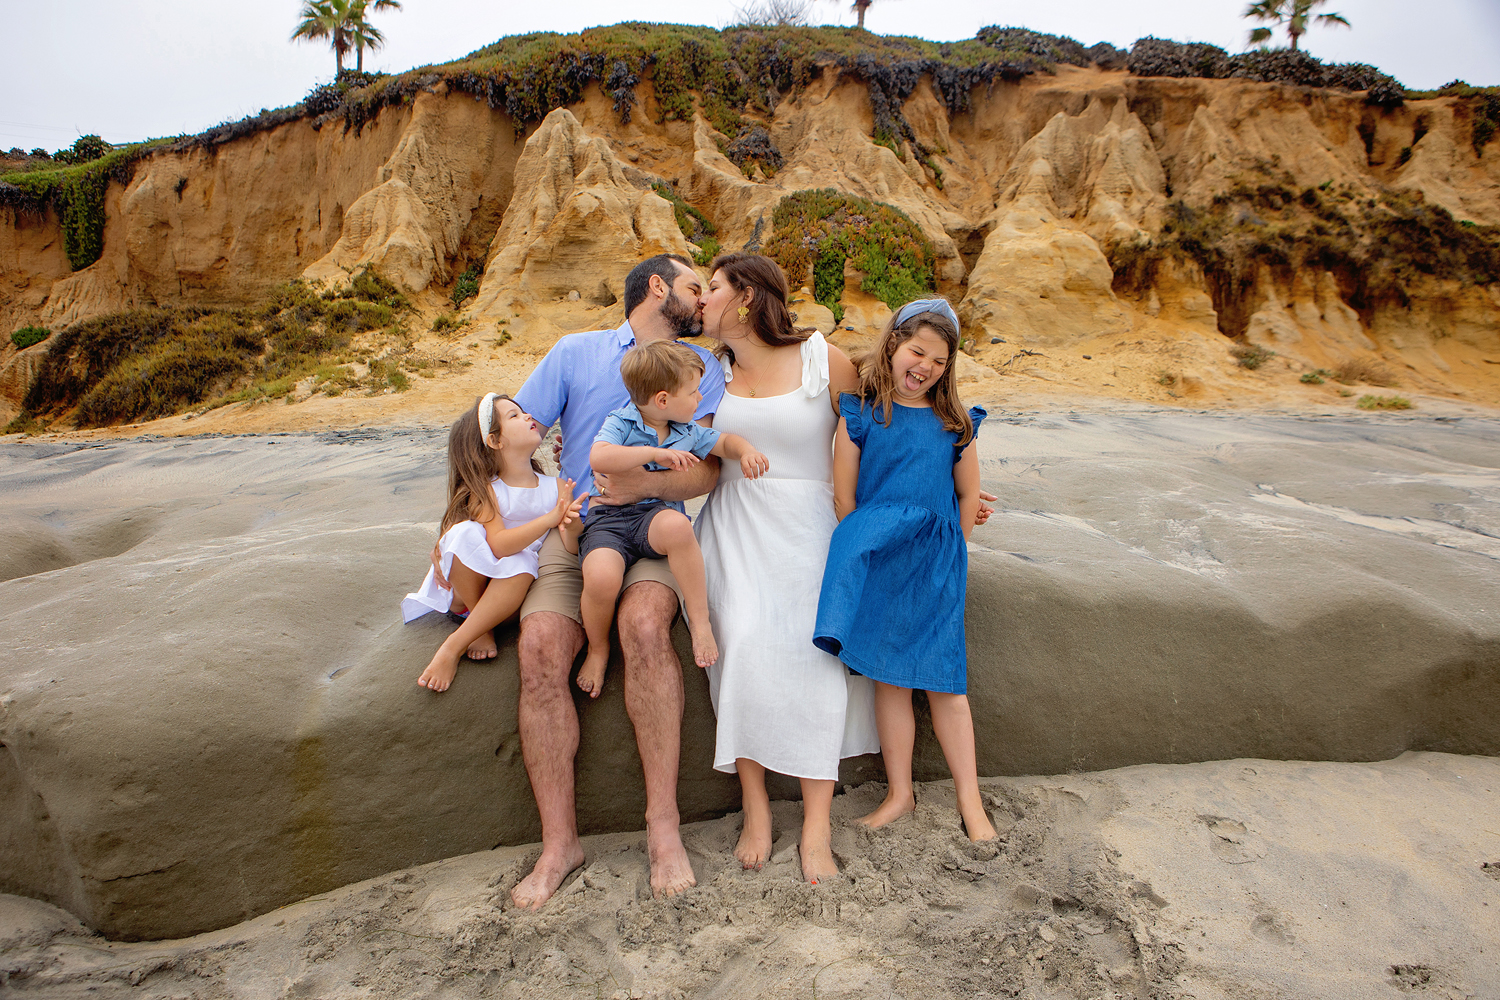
(1027, 197)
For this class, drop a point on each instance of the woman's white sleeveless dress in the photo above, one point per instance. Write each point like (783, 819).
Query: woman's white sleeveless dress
(466, 542)
(780, 701)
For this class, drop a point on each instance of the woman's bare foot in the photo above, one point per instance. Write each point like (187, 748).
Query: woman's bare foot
(591, 674)
(440, 672)
(705, 647)
(754, 847)
(817, 860)
(977, 823)
(551, 868)
(483, 648)
(893, 808)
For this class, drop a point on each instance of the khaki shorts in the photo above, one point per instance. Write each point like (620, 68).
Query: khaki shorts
(559, 580)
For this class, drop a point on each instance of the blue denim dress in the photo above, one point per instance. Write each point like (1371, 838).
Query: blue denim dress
(892, 601)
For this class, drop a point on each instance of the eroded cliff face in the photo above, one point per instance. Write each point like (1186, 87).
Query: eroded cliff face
(1023, 198)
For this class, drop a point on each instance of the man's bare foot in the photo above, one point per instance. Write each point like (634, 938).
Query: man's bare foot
(977, 823)
(439, 673)
(705, 647)
(551, 868)
(817, 860)
(591, 674)
(483, 648)
(671, 871)
(754, 847)
(893, 808)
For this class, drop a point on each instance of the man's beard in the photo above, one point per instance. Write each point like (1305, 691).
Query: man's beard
(681, 316)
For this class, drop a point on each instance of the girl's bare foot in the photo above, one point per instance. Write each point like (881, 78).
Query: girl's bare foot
(754, 847)
(705, 648)
(591, 674)
(977, 823)
(439, 673)
(817, 860)
(893, 808)
(483, 648)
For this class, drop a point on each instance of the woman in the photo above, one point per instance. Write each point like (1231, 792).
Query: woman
(782, 704)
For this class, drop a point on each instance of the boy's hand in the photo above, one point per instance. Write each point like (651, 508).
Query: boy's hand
(753, 464)
(673, 458)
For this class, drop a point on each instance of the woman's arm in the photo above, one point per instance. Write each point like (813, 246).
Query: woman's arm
(842, 376)
(966, 485)
(845, 471)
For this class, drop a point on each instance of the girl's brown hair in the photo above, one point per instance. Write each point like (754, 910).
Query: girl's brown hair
(472, 465)
(877, 383)
(769, 315)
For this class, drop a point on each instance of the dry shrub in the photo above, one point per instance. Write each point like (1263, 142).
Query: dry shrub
(1366, 370)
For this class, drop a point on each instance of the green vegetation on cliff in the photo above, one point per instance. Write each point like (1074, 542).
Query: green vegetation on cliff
(148, 363)
(817, 231)
(1376, 247)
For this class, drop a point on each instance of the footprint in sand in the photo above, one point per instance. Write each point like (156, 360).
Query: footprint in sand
(1231, 842)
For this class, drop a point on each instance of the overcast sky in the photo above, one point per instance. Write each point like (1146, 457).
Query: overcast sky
(131, 69)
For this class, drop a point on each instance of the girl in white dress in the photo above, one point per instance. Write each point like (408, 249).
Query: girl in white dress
(499, 510)
(782, 704)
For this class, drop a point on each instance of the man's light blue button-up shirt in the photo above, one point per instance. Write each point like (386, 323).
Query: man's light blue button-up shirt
(579, 381)
(627, 427)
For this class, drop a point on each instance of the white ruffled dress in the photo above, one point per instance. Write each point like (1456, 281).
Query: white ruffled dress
(780, 701)
(466, 542)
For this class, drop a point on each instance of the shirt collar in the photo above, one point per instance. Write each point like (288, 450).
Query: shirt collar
(624, 335)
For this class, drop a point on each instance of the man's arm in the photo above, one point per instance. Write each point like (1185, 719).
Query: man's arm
(636, 484)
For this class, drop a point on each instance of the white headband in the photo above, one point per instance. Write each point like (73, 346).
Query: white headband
(487, 413)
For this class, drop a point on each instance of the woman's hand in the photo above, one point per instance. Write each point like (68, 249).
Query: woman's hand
(673, 458)
(753, 464)
(437, 569)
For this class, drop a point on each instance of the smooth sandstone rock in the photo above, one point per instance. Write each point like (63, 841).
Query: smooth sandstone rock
(208, 703)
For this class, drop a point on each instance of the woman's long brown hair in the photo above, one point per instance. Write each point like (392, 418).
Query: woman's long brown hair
(472, 466)
(877, 383)
(769, 315)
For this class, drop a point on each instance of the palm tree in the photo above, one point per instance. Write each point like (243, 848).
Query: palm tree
(326, 19)
(860, 6)
(364, 35)
(1292, 14)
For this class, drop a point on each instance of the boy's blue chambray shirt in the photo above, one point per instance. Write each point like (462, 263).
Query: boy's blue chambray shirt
(579, 381)
(627, 427)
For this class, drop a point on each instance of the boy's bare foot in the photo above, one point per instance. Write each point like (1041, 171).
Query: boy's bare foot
(439, 673)
(705, 648)
(671, 871)
(893, 808)
(754, 847)
(817, 860)
(591, 674)
(483, 648)
(977, 823)
(551, 868)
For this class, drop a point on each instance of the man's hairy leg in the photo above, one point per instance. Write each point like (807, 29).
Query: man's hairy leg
(549, 741)
(654, 699)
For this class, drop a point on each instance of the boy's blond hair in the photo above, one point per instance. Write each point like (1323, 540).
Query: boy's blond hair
(659, 366)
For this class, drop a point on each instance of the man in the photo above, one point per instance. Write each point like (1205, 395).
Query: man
(579, 382)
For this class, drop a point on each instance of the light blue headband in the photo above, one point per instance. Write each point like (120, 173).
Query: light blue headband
(939, 306)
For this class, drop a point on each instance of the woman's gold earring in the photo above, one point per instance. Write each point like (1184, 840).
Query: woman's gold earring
(744, 313)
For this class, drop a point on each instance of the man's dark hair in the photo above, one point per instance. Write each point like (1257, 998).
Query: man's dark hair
(638, 281)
